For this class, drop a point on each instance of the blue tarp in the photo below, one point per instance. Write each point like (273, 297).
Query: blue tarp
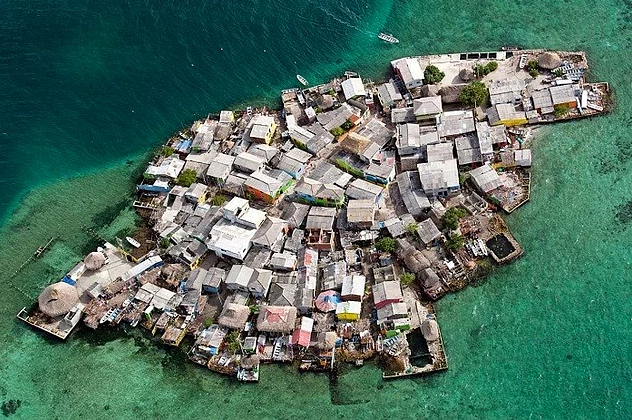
(184, 146)
(68, 280)
(152, 188)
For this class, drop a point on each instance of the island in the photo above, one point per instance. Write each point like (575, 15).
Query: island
(321, 233)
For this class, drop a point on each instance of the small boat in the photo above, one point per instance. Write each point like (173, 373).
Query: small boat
(388, 38)
(303, 80)
(133, 242)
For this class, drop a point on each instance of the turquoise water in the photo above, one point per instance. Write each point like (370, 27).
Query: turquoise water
(89, 90)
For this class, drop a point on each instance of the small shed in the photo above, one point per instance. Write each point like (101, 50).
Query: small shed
(353, 287)
(387, 292)
(428, 232)
(485, 178)
(348, 311)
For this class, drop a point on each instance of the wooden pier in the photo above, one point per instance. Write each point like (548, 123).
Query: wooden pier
(38, 253)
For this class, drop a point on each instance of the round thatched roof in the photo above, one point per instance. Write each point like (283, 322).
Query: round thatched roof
(466, 75)
(57, 299)
(549, 60)
(430, 329)
(94, 260)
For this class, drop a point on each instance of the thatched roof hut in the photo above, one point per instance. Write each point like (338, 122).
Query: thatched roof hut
(249, 362)
(327, 340)
(57, 299)
(429, 90)
(416, 261)
(451, 94)
(430, 329)
(430, 279)
(94, 260)
(549, 60)
(467, 75)
(276, 319)
(355, 143)
(234, 316)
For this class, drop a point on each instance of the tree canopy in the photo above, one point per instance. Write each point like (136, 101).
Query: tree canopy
(433, 75)
(218, 200)
(407, 278)
(481, 70)
(412, 228)
(452, 216)
(455, 242)
(474, 94)
(337, 131)
(386, 244)
(186, 177)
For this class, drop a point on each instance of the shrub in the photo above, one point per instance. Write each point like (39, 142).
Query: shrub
(532, 65)
(232, 342)
(433, 75)
(452, 216)
(407, 278)
(560, 110)
(491, 66)
(558, 73)
(186, 177)
(412, 228)
(208, 322)
(218, 200)
(337, 131)
(166, 151)
(480, 70)
(455, 242)
(534, 73)
(474, 94)
(386, 244)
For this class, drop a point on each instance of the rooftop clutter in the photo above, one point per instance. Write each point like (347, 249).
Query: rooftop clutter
(277, 236)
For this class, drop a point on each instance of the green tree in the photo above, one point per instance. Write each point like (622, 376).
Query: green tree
(452, 216)
(386, 244)
(166, 151)
(412, 228)
(534, 73)
(164, 243)
(560, 110)
(186, 177)
(407, 278)
(337, 131)
(558, 73)
(433, 75)
(208, 322)
(347, 125)
(232, 342)
(532, 65)
(491, 66)
(455, 242)
(474, 94)
(218, 200)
